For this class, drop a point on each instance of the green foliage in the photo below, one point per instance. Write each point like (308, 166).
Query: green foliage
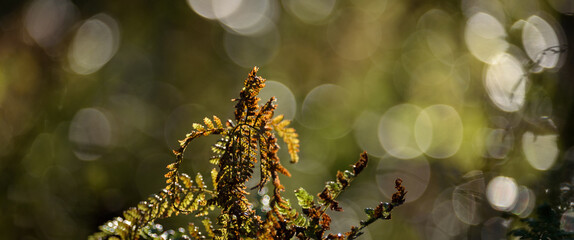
(546, 222)
(303, 198)
(247, 141)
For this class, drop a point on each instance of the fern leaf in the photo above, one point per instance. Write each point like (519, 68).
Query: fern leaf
(247, 103)
(208, 227)
(208, 123)
(169, 174)
(214, 178)
(301, 221)
(172, 166)
(186, 180)
(185, 203)
(198, 127)
(218, 149)
(265, 113)
(194, 231)
(277, 120)
(293, 149)
(199, 181)
(282, 125)
(290, 137)
(304, 199)
(176, 152)
(217, 122)
(197, 201)
(214, 160)
(292, 142)
(361, 164)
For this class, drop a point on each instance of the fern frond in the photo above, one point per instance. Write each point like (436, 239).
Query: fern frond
(194, 231)
(208, 123)
(134, 218)
(199, 181)
(334, 188)
(247, 103)
(217, 122)
(198, 127)
(290, 137)
(218, 149)
(265, 114)
(243, 143)
(208, 227)
(214, 178)
(382, 211)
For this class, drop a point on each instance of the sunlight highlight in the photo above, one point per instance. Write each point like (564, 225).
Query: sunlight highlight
(286, 103)
(525, 202)
(310, 12)
(334, 117)
(247, 51)
(90, 133)
(467, 198)
(541, 151)
(366, 135)
(438, 131)
(94, 44)
(485, 37)
(505, 82)
(47, 20)
(249, 18)
(397, 133)
(539, 39)
(502, 193)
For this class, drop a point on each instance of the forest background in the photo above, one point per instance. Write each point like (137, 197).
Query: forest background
(469, 102)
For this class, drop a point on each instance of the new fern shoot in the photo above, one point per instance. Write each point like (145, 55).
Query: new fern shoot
(250, 139)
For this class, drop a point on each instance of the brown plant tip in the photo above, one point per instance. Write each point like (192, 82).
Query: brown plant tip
(381, 209)
(325, 222)
(333, 236)
(399, 196)
(361, 164)
(247, 103)
(326, 196)
(341, 178)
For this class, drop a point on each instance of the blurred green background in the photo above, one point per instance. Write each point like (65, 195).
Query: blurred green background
(470, 102)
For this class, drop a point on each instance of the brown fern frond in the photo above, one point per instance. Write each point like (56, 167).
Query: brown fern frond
(399, 196)
(361, 164)
(248, 141)
(247, 103)
(382, 211)
(334, 188)
(265, 114)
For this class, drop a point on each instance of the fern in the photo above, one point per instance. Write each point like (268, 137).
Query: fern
(248, 140)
